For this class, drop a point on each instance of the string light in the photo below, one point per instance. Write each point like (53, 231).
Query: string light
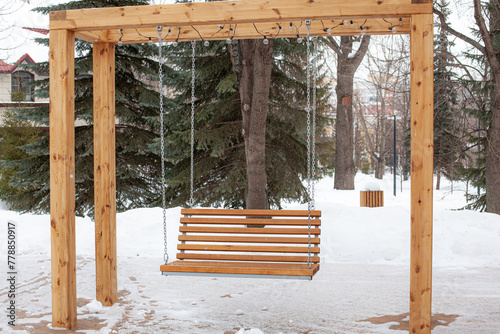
(150, 42)
(229, 40)
(299, 39)
(265, 41)
(206, 43)
(363, 31)
(352, 24)
(290, 27)
(121, 35)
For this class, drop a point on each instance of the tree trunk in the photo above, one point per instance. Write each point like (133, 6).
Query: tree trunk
(492, 149)
(344, 146)
(253, 63)
(438, 178)
(344, 163)
(493, 155)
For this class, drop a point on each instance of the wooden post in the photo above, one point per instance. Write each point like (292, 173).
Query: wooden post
(62, 178)
(105, 173)
(422, 77)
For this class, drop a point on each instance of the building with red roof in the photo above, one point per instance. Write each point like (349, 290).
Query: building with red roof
(18, 78)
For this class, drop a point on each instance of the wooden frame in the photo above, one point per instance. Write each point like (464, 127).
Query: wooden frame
(100, 26)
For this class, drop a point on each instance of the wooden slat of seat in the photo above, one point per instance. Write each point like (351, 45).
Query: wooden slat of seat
(249, 221)
(245, 257)
(245, 248)
(246, 230)
(227, 239)
(236, 268)
(250, 213)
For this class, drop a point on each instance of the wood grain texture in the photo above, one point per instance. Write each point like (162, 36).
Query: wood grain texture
(62, 178)
(234, 12)
(105, 173)
(237, 239)
(246, 230)
(235, 268)
(246, 257)
(242, 248)
(250, 221)
(422, 78)
(250, 213)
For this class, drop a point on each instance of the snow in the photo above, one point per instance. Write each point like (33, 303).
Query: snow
(364, 273)
(372, 186)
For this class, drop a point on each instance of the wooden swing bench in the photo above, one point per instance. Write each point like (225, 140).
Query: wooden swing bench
(250, 243)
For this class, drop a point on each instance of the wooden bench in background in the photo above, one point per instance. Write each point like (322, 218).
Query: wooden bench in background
(371, 199)
(217, 242)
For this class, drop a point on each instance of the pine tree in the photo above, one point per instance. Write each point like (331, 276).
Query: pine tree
(16, 136)
(137, 167)
(447, 147)
(219, 167)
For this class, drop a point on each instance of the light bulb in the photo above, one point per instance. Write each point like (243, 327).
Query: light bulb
(352, 24)
(280, 28)
(346, 22)
(175, 44)
(363, 31)
(120, 42)
(290, 27)
(394, 30)
(265, 40)
(229, 40)
(329, 31)
(299, 39)
(150, 42)
(206, 43)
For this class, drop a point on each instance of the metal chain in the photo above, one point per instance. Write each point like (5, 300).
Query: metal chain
(162, 135)
(193, 46)
(313, 153)
(308, 108)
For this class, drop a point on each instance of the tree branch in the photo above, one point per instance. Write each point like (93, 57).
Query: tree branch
(332, 44)
(360, 54)
(488, 43)
(447, 28)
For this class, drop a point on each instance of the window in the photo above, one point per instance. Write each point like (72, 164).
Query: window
(22, 86)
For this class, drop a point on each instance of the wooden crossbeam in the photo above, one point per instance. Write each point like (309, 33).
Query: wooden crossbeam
(234, 12)
(250, 31)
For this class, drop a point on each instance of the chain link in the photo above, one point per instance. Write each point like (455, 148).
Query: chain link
(308, 108)
(193, 46)
(313, 144)
(162, 136)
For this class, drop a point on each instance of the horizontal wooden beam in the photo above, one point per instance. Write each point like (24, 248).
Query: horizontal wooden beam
(251, 31)
(233, 12)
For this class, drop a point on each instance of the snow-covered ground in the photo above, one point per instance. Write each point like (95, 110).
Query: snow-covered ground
(362, 287)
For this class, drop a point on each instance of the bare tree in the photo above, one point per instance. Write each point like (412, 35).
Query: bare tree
(7, 25)
(387, 67)
(487, 19)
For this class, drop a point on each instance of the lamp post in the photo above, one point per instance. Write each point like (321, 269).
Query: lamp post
(394, 156)
(395, 160)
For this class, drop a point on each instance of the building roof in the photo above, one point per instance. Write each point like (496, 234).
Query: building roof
(6, 68)
(38, 30)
